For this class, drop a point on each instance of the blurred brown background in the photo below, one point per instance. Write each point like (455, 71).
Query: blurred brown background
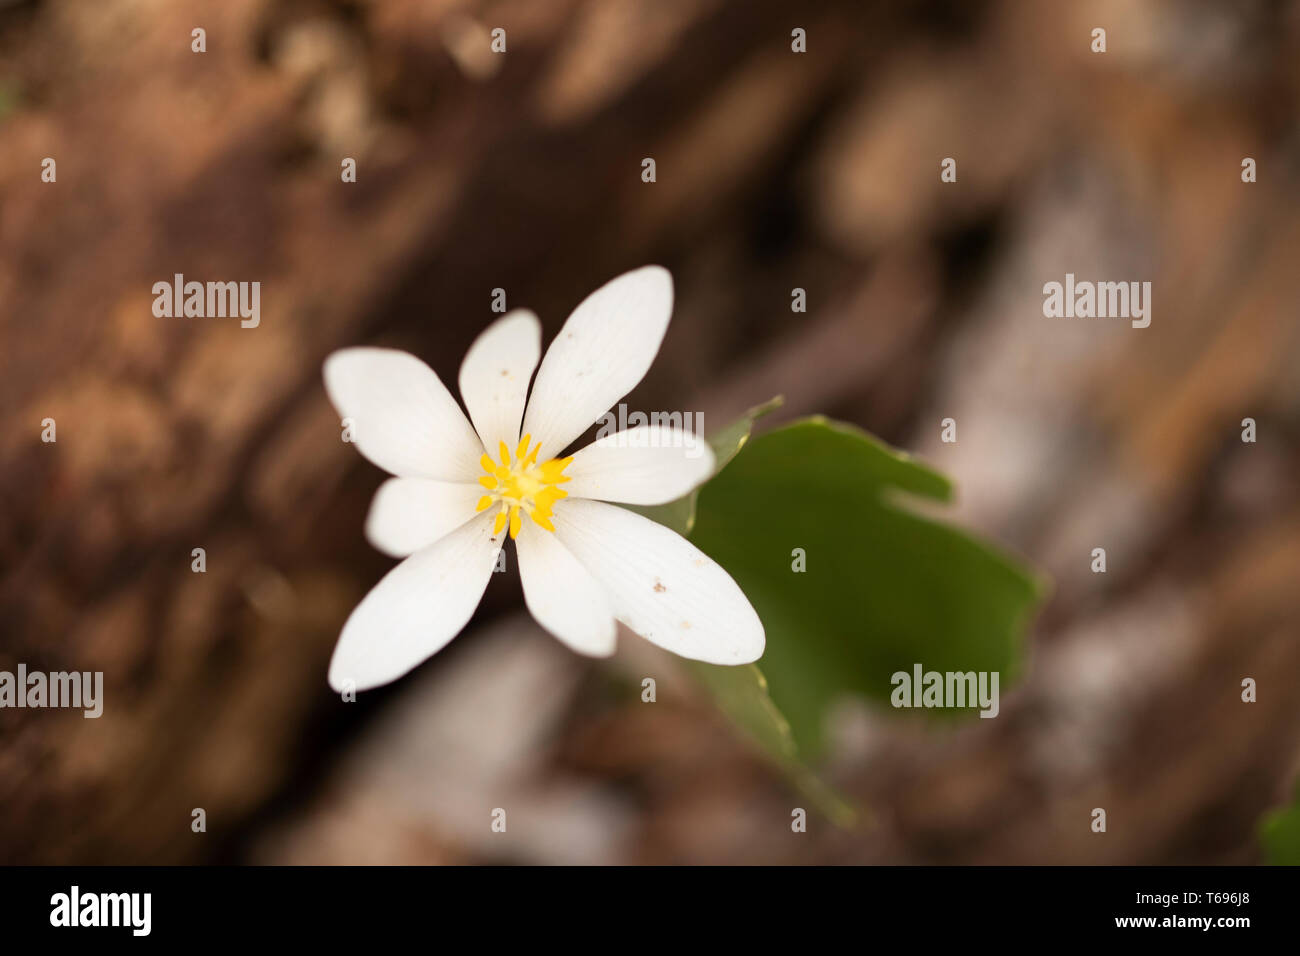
(775, 170)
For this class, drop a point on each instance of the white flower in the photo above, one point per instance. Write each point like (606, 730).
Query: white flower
(460, 489)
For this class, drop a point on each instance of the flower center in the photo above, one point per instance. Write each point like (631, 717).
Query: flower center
(522, 485)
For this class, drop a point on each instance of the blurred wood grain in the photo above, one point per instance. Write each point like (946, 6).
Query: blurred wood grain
(775, 170)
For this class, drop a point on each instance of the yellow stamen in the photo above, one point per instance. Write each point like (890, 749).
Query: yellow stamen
(522, 487)
(553, 470)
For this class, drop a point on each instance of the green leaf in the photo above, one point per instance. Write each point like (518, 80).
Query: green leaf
(884, 588)
(889, 588)
(1280, 834)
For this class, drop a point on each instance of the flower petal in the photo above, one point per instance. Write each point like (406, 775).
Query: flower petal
(660, 585)
(562, 595)
(417, 608)
(495, 373)
(647, 465)
(601, 353)
(403, 417)
(409, 514)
